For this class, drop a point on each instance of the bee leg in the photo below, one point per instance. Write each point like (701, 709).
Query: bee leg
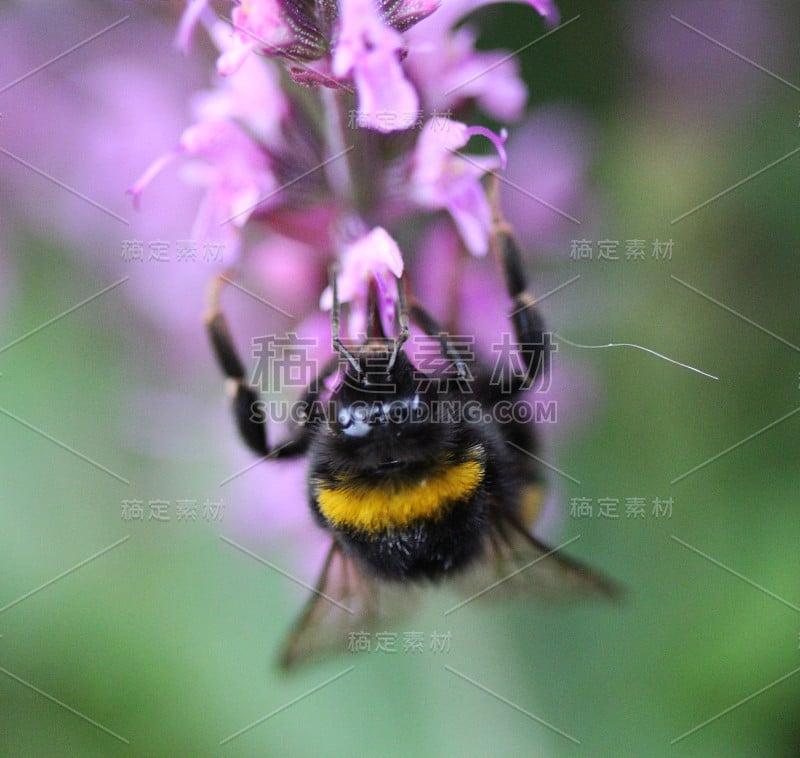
(251, 423)
(533, 343)
(433, 328)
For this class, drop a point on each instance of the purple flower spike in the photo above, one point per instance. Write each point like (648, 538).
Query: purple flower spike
(289, 180)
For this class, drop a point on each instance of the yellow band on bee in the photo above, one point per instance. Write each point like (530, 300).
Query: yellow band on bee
(376, 509)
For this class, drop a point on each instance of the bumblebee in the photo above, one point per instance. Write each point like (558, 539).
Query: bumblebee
(413, 475)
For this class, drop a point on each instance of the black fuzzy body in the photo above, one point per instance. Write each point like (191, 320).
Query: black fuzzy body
(429, 548)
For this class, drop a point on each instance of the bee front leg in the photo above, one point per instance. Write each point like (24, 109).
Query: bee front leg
(425, 321)
(251, 424)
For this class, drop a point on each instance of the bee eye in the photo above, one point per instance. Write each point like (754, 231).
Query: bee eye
(398, 412)
(344, 418)
(354, 420)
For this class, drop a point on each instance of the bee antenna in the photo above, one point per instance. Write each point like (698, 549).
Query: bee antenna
(402, 320)
(336, 341)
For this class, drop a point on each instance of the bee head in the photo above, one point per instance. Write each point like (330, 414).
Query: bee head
(382, 411)
(376, 388)
(381, 416)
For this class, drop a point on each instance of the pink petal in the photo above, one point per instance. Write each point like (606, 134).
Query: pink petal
(370, 256)
(189, 18)
(497, 140)
(233, 59)
(547, 10)
(386, 100)
(367, 50)
(471, 213)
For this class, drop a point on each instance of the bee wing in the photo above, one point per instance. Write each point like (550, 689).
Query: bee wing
(515, 561)
(346, 603)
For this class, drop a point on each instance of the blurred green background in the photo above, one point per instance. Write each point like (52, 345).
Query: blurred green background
(168, 639)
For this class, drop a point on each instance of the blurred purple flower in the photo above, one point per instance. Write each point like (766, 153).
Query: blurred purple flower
(96, 147)
(547, 178)
(448, 78)
(447, 69)
(232, 167)
(279, 264)
(194, 11)
(687, 71)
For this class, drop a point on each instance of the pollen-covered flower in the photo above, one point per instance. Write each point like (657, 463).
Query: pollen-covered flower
(440, 179)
